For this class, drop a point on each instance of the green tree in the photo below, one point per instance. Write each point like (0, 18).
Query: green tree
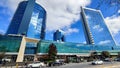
(94, 55)
(52, 52)
(105, 54)
(2, 51)
(2, 55)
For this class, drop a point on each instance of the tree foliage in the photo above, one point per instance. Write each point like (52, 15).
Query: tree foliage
(52, 52)
(2, 55)
(105, 54)
(2, 51)
(94, 55)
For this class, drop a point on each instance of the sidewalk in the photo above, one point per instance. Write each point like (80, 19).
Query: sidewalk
(13, 67)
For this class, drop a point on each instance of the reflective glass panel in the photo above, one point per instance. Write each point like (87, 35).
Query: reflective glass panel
(98, 28)
(37, 23)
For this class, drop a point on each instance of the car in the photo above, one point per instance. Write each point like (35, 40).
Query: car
(36, 64)
(107, 59)
(117, 59)
(6, 60)
(97, 62)
(56, 63)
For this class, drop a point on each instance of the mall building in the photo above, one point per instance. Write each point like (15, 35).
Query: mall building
(21, 48)
(25, 37)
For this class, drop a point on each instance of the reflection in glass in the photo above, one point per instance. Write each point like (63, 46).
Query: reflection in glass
(98, 28)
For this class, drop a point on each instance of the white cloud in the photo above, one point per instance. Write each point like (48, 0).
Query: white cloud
(88, 17)
(104, 42)
(1, 31)
(84, 42)
(113, 23)
(34, 19)
(98, 28)
(9, 6)
(71, 30)
(62, 13)
(118, 11)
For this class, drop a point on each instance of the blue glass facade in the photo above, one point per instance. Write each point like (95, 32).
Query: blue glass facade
(37, 23)
(96, 27)
(31, 48)
(29, 20)
(10, 43)
(17, 18)
(67, 47)
(58, 36)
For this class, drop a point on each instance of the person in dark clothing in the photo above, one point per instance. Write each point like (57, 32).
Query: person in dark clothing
(4, 62)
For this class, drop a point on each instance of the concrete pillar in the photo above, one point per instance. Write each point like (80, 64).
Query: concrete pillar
(35, 58)
(20, 56)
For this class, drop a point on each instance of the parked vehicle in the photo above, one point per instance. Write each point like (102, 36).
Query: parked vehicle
(117, 59)
(108, 59)
(56, 63)
(97, 62)
(6, 60)
(36, 64)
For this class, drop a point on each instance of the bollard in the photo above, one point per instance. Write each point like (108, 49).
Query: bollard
(17, 65)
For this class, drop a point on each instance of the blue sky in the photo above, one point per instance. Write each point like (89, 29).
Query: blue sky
(64, 15)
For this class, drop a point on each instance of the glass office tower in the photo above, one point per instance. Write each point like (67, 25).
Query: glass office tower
(29, 19)
(96, 31)
(58, 36)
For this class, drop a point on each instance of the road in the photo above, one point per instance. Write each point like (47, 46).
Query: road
(88, 65)
(81, 65)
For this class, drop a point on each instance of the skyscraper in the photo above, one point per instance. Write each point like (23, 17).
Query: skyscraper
(29, 19)
(95, 29)
(58, 36)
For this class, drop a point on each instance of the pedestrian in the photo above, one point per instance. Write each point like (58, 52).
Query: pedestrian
(25, 64)
(4, 62)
